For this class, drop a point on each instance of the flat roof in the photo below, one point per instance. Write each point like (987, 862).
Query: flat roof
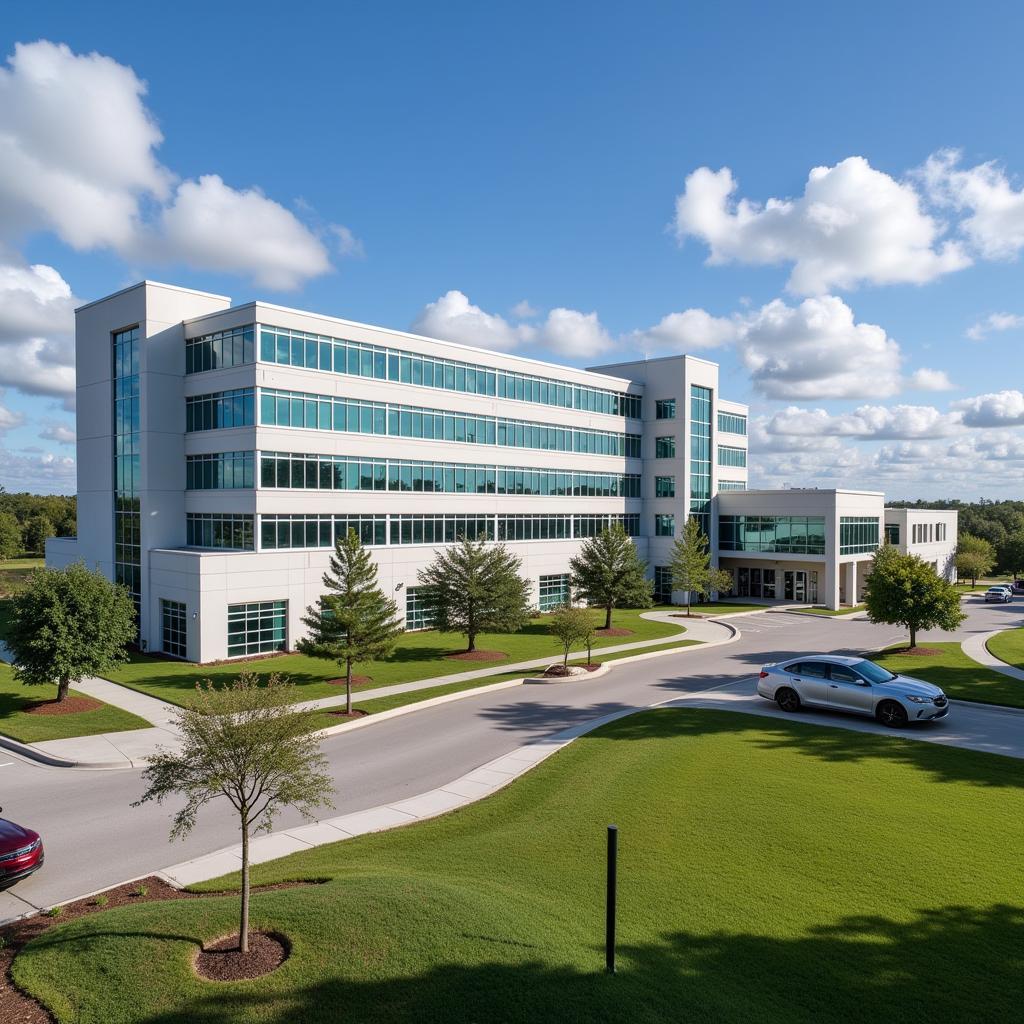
(153, 284)
(805, 490)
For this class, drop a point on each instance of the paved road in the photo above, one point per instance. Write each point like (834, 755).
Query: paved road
(95, 839)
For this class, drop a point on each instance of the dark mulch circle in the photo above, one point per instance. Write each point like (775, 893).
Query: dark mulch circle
(592, 666)
(356, 681)
(925, 652)
(613, 631)
(68, 706)
(356, 713)
(556, 671)
(683, 615)
(221, 961)
(477, 656)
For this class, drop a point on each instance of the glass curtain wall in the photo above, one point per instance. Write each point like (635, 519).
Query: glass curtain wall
(127, 514)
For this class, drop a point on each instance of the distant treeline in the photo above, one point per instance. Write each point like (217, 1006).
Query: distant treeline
(26, 520)
(1001, 523)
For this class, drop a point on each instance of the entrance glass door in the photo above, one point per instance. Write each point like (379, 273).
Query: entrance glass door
(794, 585)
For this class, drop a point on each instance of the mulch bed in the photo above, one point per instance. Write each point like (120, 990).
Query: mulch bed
(926, 652)
(478, 656)
(613, 631)
(592, 666)
(221, 961)
(356, 713)
(18, 1008)
(356, 681)
(683, 615)
(68, 706)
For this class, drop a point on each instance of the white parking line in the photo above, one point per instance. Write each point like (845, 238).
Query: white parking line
(6, 764)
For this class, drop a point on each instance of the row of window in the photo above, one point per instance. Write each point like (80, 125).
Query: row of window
(325, 412)
(700, 456)
(858, 534)
(124, 357)
(735, 458)
(230, 530)
(732, 423)
(354, 358)
(783, 534)
(927, 533)
(221, 409)
(220, 470)
(232, 347)
(346, 473)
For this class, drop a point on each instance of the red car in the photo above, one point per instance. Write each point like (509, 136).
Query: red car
(21, 852)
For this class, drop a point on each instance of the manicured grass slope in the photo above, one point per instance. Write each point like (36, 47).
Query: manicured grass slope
(959, 676)
(831, 612)
(1008, 646)
(769, 871)
(418, 656)
(15, 697)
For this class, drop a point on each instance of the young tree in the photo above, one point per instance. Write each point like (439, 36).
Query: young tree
(68, 624)
(571, 626)
(36, 530)
(247, 743)
(975, 557)
(609, 572)
(355, 621)
(902, 590)
(1013, 552)
(474, 587)
(11, 543)
(691, 566)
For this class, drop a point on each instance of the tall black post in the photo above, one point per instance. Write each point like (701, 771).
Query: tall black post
(609, 922)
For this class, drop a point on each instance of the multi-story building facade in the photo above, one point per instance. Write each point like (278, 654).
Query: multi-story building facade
(222, 449)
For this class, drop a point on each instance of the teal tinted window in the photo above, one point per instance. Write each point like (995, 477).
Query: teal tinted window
(665, 409)
(784, 534)
(664, 486)
(665, 448)
(858, 534)
(733, 457)
(732, 423)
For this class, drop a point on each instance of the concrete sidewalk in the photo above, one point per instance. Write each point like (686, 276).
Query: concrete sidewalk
(976, 648)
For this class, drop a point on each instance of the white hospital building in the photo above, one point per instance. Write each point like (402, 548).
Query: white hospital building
(221, 449)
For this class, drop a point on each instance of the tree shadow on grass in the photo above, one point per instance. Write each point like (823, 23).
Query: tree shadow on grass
(951, 964)
(824, 743)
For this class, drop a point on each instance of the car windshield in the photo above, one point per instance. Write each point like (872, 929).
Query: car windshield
(873, 673)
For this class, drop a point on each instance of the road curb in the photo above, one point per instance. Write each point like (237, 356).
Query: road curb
(52, 761)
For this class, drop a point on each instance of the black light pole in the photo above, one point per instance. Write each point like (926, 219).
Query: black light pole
(609, 921)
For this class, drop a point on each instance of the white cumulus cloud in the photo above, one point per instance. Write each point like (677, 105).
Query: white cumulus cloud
(997, 409)
(453, 317)
(992, 324)
(868, 422)
(690, 329)
(852, 224)
(926, 379)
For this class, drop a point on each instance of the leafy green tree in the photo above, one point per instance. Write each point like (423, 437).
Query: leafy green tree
(68, 624)
(475, 587)
(247, 743)
(355, 621)
(691, 566)
(36, 530)
(902, 590)
(975, 557)
(1013, 553)
(610, 573)
(11, 543)
(571, 626)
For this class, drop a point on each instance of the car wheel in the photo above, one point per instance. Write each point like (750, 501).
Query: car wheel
(892, 714)
(787, 699)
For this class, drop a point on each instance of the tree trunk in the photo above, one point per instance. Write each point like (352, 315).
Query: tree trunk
(243, 925)
(608, 617)
(63, 685)
(590, 656)
(913, 637)
(348, 686)
(471, 636)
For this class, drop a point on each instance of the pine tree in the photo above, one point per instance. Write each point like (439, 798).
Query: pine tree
(609, 572)
(475, 587)
(691, 566)
(355, 621)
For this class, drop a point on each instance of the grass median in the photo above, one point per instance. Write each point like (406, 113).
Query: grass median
(1008, 646)
(959, 676)
(28, 714)
(906, 903)
(420, 655)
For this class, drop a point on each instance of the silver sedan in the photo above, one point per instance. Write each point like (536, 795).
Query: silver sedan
(851, 684)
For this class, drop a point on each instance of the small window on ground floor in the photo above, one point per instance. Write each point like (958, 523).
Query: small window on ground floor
(663, 584)
(174, 628)
(553, 591)
(257, 627)
(419, 613)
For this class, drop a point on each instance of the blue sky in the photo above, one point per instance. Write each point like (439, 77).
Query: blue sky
(534, 153)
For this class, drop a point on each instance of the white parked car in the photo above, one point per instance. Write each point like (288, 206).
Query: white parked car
(999, 594)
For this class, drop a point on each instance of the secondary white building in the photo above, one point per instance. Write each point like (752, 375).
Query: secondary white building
(221, 449)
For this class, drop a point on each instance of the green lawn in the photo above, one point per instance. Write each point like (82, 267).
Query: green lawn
(324, 719)
(959, 676)
(770, 871)
(14, 722)
(831, 611)
(1008, 646)
(419, 655)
